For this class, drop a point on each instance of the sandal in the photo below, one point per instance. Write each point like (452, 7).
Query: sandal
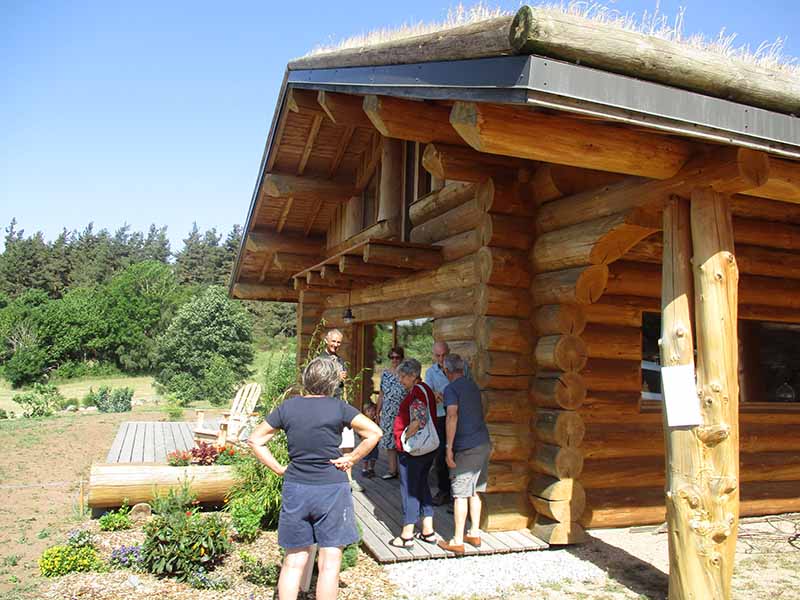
(428, 538)
(389, 476)
(401, 542)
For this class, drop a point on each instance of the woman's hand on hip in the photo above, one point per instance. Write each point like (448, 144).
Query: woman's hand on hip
(344, 462)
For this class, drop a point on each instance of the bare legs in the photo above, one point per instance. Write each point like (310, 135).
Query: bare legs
(391, 457)
(294, 564)
(460, 507)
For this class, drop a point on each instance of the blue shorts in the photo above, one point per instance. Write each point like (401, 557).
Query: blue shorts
(317, 514)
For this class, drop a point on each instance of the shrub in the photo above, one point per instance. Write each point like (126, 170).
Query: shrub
(26, 366)
(77, 369)
(3, 414)
(256, 571)
(116, 520)
(118, 400)
(350, 553)
(175, 500)
(179, 458)
(63, 559)
(255, 480)
(219, 381)
(127, 557)
(174, 408)
(179, 544)
(246, 515)
(40, 401)
(79, 538)
(204, 453)
(201, 580)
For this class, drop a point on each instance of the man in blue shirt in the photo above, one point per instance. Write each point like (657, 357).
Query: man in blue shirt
(438, 381)
(467, 448)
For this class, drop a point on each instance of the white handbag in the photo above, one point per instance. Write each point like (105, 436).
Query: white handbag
(425, 440)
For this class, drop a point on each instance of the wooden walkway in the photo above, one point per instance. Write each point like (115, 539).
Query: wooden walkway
(377, 507)
(378, 511)
(149, 441)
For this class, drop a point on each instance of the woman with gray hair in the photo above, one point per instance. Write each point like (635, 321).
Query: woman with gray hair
(418, 406)
(317, 505)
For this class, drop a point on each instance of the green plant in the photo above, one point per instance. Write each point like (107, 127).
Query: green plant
(3, 414)
(350, 553)
(256, 481)
(40, 401)
(11, 560)
(256, 571)
(204, 453)
(78, 538)
(116, 520)
(246, 515)
(127, 557)
(117, 400)
(178, 544)
(176, 500)
(179, 458)
(201, 580)
(229, 456)
(63, 559)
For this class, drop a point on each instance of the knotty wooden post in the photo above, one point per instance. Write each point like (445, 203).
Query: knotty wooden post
(702, 496)
(716, 277)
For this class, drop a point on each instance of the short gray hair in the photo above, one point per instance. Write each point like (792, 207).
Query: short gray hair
(410, 366)
(332, 331)
(321, 377)
(454, 363)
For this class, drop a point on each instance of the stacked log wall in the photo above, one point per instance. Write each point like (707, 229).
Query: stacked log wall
(488, 223)
(623, 472)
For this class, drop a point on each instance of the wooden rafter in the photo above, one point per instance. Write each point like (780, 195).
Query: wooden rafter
(411, 120)
(273, 155)
(341, 148)
(270, 241)
(268, 259)
(302, 101)
(280, 185)
(312, 138)
(312, 216)
(284, 214)
(344, 109)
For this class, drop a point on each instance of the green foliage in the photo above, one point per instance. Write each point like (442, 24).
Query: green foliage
(26, 365)
(116, 520)
(230, 455)
(117, 400)
(204, 328)
(280, 374)
(62, 559)
(259, 485)
(246, 515)
(79, 369)
(3, 414)
(200, 580)
(40, 401)
(219, 381)
(173, 408)
(350, 553)
(78, 538)
(258, 572)
(176, 500)
(127, 557)
(178, 544)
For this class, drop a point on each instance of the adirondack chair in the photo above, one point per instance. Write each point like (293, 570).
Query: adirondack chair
(233, 421)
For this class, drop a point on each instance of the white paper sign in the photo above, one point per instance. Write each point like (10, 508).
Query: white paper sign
(680, 396)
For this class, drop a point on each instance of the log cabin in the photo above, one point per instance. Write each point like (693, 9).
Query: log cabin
(574, 215)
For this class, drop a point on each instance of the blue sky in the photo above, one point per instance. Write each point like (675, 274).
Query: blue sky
(157, 112)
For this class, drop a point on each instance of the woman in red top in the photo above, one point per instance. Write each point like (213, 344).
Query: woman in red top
(418, 406)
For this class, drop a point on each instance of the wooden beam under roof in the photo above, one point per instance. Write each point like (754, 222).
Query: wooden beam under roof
(302, 101)
(253, 291)
(316, 123)
(312, 216)
(341, 148)
(344, 109)
(281, 185)
(287, 206)
(412, 120)
(270, 241)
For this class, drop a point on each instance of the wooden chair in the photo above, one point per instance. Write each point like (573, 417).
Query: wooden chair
(233, 421)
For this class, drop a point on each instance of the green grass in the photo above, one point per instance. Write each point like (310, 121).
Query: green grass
(143, 389)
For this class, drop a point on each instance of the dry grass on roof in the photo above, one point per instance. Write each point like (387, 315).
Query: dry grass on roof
(768, 54)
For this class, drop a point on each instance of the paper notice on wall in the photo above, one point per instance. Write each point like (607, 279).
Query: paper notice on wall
(680, 396)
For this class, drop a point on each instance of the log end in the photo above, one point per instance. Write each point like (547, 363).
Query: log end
(372, 108)
(753, 166)
(523, 32)
(591, 284)
(465, 119)
(432, 161)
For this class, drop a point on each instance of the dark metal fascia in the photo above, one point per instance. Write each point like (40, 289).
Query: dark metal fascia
(267, 149)
(534, 80)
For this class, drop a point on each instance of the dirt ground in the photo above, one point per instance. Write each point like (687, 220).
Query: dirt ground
(44, 460)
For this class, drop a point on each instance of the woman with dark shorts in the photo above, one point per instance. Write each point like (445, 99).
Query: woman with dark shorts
(415, 493)
(317, 503)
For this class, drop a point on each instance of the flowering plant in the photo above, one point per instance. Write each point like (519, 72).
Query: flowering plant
(128, 557)
(179, 458)
(228, 455)
(205, 453)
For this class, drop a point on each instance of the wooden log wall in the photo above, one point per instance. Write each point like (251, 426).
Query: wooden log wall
(487, 223)
(623, 468)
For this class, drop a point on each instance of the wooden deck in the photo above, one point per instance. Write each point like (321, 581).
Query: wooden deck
(378, 511)
(377, 507)
(149, 442)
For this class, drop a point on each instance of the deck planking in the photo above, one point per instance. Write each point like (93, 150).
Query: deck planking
(378, 507)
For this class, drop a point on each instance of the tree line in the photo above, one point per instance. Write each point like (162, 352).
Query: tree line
(93, 302)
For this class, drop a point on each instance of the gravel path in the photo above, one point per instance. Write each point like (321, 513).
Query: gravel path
(484, 576)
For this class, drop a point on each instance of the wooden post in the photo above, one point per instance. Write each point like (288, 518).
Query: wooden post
(702, 462)
(716, 277)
